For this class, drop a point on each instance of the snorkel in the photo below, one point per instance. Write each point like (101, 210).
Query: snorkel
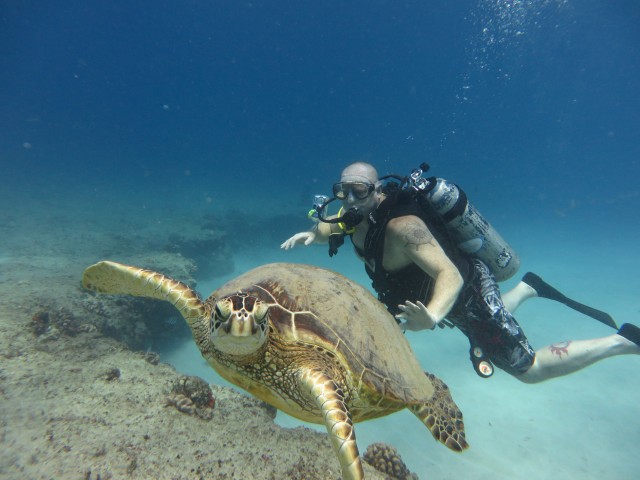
(347, 221)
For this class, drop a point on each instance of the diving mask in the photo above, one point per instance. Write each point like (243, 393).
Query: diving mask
(360, 190)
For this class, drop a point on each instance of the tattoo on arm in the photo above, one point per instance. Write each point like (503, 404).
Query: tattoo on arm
(416, 234)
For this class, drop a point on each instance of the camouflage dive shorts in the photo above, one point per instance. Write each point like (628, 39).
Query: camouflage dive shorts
(481, 315)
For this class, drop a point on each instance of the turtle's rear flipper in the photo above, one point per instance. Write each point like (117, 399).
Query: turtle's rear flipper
(442, 416)
(545, 290)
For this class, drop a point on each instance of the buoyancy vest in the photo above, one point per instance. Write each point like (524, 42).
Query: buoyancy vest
(411, 282)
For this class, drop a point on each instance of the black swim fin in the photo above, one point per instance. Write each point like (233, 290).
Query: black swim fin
(630, 332)
(547, 291)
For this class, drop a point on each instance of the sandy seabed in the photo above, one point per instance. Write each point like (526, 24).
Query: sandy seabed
(62, 416)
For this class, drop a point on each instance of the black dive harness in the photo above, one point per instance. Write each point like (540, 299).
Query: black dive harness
(411, 282)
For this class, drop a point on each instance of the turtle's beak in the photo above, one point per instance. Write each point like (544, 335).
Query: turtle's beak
(241, 324)
(239, 336)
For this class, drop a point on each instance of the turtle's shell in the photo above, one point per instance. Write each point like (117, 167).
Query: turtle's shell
(323, 308)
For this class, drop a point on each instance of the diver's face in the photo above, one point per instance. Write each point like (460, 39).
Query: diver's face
(356, 189)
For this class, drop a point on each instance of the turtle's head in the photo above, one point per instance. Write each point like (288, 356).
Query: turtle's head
(240, 324)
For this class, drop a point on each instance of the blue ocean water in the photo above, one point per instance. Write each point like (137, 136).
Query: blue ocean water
(531, 106)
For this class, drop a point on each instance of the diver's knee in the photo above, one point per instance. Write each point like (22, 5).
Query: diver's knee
(531, 375)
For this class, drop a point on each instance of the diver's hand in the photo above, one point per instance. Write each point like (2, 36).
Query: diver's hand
(416, 317)
(303, 237)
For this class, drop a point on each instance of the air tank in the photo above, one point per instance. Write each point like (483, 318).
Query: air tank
(472, 233)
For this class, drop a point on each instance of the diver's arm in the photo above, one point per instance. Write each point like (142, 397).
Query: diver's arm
(414, 241)
(323, 231)
(319, 233)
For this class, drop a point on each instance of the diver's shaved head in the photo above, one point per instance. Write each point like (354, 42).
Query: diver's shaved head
(360, 172)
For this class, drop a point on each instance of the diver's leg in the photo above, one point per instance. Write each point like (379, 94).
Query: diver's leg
(532, 286)
(568, 357)
(518, 294)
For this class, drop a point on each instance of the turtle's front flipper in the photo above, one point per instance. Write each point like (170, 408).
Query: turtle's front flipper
(116, 278)
(442, 416)
(330, 399)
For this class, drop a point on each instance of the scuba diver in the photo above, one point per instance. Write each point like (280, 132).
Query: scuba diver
(435, 261)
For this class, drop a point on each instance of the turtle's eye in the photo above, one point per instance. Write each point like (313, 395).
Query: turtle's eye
(222, 310)
(260, 311)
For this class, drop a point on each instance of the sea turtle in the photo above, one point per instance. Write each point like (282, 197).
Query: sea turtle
(306, 340)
